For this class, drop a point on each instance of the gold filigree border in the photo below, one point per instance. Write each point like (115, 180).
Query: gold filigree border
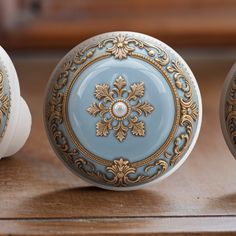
(189, 112)
(120, 173)
(101, 160)
(5, 102)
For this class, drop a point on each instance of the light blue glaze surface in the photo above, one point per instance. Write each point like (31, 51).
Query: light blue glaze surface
(157, 92)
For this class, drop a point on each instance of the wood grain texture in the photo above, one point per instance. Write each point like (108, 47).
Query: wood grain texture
(38, 195)
(125, 226)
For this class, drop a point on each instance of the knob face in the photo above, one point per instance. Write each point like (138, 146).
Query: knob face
(228, 110)
(5, 99)
(122, 109)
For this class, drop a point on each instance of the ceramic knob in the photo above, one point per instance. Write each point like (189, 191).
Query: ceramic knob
(15, 118)
(122, 110)
(228, 110)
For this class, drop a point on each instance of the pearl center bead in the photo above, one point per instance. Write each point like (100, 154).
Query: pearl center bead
(119, 109)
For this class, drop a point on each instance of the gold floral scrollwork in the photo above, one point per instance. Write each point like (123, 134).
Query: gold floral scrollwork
(120, 47)
(118, 174)
(120, 171)
(109, 98)
(54, 112)
(4, 99)
(88, 168)
(189, 112)
(160, 165)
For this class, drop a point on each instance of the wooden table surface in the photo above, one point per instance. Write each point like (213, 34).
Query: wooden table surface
(39, 196)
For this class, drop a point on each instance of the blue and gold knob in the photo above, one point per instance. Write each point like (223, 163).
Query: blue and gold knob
(122, 109)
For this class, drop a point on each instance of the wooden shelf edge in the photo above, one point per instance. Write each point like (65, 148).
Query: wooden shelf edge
(221, 225)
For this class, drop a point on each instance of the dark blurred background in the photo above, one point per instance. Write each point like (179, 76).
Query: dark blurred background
(53, 24)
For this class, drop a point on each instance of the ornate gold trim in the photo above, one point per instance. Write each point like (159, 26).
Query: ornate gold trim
(109, 98)
(120, 171)
(4, 102)
(189, 112)
(121, 48)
